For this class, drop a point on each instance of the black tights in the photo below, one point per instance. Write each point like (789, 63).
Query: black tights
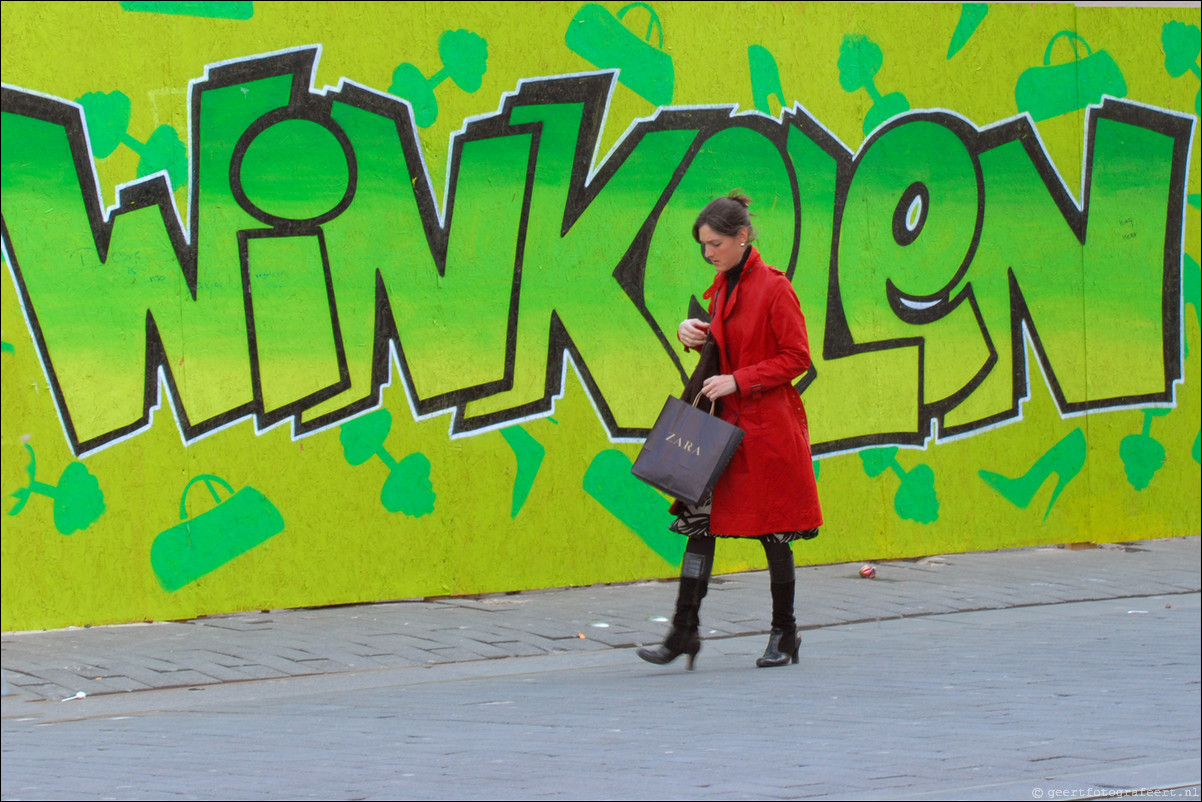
(699, 559)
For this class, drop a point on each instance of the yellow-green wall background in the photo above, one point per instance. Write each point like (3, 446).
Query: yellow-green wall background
(471, 532)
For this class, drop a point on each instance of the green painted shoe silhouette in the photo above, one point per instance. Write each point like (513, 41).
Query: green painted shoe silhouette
(765, 78)
(1065, 459)
(529, 454)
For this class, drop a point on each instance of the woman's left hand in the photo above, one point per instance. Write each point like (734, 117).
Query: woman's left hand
(717, 386)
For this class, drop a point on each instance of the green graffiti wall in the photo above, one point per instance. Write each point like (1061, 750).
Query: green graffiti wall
(320, 303)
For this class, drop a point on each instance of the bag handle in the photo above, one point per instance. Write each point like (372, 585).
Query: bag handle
(652, 23)
(1073, 39)
(713, 403)
(713, 406)
(208, 479)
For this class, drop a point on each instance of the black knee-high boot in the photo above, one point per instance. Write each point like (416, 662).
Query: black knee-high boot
(783, 641)
(694, 584)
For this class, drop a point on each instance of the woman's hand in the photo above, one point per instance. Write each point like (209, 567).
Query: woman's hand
(717, 386)
(692, 332)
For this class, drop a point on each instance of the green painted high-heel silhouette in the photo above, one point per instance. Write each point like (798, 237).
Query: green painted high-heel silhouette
(765, 78)
(1065, 459)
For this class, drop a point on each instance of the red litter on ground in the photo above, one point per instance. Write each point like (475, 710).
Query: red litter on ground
(868, 572)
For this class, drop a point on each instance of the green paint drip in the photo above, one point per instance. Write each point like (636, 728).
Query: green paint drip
(1142, 457)
(409, 83)
(1065, 459)
(644, 511)
(529, 453)
(465, 58)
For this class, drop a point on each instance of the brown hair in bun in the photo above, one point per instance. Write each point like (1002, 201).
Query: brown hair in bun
(726, 216)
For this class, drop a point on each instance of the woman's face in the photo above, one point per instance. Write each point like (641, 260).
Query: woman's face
(721, 251)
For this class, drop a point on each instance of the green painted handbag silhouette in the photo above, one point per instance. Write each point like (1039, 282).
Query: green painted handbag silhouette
(197, 546)
(602, 40)
(1055, 89)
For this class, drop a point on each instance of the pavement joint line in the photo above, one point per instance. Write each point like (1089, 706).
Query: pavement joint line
(937, 613)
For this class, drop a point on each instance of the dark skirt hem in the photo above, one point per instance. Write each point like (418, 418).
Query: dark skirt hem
(697, 524)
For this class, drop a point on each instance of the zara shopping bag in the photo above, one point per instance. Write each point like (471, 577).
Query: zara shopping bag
(687, 450)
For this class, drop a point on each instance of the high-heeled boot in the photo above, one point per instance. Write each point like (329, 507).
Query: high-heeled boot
(684, 637)
(784, 641)
(679, 641)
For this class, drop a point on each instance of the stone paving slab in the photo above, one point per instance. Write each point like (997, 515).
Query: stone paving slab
(59, 664)
(1038, 701)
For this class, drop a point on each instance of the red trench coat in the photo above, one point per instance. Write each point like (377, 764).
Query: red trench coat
(761, 334)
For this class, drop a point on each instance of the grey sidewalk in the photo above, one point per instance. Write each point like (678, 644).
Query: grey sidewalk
(60, 664)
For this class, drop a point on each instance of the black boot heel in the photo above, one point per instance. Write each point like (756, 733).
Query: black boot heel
(677, 643)
(783, 646)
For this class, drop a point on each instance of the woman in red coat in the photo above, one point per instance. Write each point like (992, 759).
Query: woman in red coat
(768, 492)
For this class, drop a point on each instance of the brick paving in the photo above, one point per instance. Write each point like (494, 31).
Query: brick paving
(1023, 674)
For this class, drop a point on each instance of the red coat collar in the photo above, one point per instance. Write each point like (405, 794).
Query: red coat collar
(754, 263)
(722, 306)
